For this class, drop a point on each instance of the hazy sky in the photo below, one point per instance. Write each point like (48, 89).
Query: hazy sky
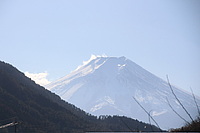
(54, 36)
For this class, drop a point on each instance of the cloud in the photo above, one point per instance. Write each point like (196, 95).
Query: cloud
(39, 78)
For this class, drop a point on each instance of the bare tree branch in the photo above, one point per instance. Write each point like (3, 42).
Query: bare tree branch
(195, 101)
(147, 113)
(175, 111)
(178, 99)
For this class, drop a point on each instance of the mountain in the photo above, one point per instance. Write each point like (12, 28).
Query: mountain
(35, 109)
(108, 86)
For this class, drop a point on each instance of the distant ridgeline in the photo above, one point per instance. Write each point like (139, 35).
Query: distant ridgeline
(28, 107)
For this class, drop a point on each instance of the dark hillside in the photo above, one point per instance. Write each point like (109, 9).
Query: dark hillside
(31, 104)
(36, 109)
(191, 127)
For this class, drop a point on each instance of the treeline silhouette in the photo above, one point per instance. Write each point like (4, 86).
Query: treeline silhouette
(35, 109)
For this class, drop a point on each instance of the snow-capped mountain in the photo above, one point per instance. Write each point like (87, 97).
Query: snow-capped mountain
(107, 85)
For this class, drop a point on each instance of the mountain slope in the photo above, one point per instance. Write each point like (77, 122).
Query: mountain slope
(38, 110)
(107, 85)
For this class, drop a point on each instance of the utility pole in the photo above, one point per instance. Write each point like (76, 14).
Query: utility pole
(15, 128)
(15, 125)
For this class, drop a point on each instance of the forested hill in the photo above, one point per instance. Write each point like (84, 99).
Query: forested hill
(35, 109)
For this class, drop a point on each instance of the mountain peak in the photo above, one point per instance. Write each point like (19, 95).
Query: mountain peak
(99, 59)
(95, 57)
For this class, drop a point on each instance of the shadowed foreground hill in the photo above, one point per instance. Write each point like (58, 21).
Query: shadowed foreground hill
(38, 110)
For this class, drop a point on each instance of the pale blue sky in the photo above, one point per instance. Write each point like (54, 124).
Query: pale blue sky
(55, 36)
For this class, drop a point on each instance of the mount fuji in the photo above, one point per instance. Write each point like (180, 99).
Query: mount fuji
(108, 86)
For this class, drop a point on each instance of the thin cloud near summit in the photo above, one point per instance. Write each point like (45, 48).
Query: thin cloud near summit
(39, 78)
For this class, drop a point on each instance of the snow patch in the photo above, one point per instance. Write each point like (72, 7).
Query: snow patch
(93, 57)
(98, 106)
(109, 100)
(121, 66)
(139, 97)
(158, 113)
(103, 102)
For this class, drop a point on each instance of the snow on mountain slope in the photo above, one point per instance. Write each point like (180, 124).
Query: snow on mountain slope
(107, 85)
